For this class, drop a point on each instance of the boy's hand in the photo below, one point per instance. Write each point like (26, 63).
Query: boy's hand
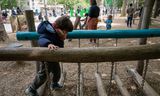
(62, 34)
(52, 47)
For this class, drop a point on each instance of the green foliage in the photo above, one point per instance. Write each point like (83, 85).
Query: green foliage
(119, 3)
(8, 4)
(109, 2)
(141, 2)
(116, 3)
(69, 3)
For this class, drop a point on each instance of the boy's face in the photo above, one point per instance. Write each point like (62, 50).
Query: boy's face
(64, 31)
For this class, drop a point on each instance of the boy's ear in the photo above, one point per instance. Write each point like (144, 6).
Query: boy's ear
(54, 25)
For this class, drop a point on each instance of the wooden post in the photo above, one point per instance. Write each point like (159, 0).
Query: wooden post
(80, 85)
(147, 89)
(147, 11)
(100, 87)
(121, 87)
(3, 34)
(31, 28)
(14, 23)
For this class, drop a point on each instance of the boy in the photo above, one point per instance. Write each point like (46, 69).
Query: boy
(53, 40)
(108, 22)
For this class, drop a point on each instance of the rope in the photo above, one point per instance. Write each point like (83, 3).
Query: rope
(97, 67)
(110, 83)
(79, 71)
(145, 72)
(116, 63)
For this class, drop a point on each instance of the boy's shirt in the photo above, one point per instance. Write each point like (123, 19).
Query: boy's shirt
(108, 24)
(49, 36)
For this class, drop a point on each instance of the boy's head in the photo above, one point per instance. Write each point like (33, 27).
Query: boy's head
(64, 23)
(130, 5)
(86, 14)
(93, 2)
(110, 17)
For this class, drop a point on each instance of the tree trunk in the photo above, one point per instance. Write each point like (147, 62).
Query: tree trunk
(123, 12)
(99, 2)
(147, 11)
(155, 13)
(3, 35)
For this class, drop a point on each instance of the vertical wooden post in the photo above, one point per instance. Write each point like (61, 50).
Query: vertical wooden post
(3, 33)
(31, 28)
(147, 11)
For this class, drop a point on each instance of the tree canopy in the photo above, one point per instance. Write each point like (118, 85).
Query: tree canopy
(8, 4)
(69, 3)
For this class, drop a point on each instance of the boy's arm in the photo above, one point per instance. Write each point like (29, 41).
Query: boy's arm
(61, 34)
(43, 42)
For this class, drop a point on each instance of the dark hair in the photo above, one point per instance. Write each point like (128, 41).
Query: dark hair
(93, 2)
(110, 17)
(130, 4)
(86, 14)
(64, 23)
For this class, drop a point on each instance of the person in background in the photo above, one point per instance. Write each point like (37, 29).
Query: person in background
(40, 17)
(85, 21)
(54, 13)
(108, 22)
(19, 12)
(130, 12)
(93, 15)
(4, 15)
(53, 39)
(13, 12)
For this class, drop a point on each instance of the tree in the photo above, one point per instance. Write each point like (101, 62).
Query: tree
(8, 4)
(3, 34)
(155, 12)
(123, 12)
(67, 3)
(147, 11)
(119, 3)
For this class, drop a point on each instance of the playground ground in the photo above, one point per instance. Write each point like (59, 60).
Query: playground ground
(15, 76)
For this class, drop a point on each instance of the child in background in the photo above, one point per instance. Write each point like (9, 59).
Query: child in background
(85, 21)
(108, 22)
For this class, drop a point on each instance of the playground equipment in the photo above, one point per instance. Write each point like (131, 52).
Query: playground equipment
(96, 54)
(143, 52)
(82, 55)
(84, 34)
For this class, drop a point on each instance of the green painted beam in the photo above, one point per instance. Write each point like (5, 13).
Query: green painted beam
(84, 34)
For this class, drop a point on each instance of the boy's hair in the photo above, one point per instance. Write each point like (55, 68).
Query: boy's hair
(64, 23)
(86, 14)
(110, 17)
(130, 5)
(93, 2)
